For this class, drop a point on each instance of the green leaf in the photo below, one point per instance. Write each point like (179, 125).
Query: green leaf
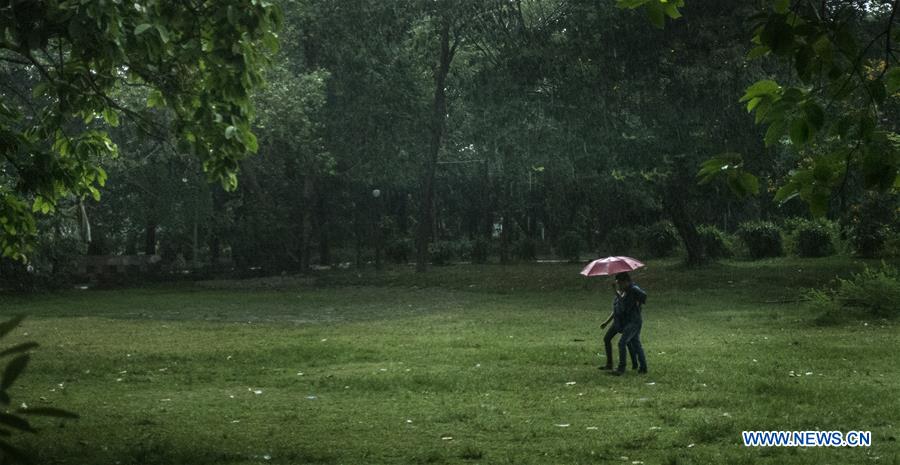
(229, 132)
(23, 347)
(761, 88)
(13, 370)
(656, 15)
(40, 90)
(800, 132)
(778, 36)
(775, 131)
(163, 33)
(111, 117)
(758, 51)
(786, 192)
(155, 99)
(781, 6)
(631, 4)
(892, 80)
(743, 184)
(48, 412)
(815, 116)
(141, 28)
(803, 60)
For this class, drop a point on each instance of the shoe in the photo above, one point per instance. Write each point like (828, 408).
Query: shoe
(607, 367)
(617, 372)
(642, 371)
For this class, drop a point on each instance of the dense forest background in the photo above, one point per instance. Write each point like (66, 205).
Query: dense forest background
(488, 131)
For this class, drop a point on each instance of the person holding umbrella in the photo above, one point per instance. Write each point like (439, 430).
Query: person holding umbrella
(615, 317)
(626, 314)
(629, 299)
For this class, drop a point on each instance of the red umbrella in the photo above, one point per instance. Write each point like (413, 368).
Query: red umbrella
(610, 265)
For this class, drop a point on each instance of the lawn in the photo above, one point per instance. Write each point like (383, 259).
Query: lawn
(467, 364)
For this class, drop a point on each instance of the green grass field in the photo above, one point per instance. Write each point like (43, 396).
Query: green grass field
(467, 364)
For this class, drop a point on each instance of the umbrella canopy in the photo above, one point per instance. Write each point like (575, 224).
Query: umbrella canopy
(610, 265)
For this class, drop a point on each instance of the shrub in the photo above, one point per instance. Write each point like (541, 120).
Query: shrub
(660, 239)
(481, 250)
(569, 246)
(441, 252)
(463, 249)
(525, 249)
(619, 241)
(762, 238)
(399, 250)
(871, 223)
(715, 242)
(815, 238)
(874, 292)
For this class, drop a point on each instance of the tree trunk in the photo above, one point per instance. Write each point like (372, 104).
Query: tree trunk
(306, 223)
(322, 228)
(675, 207)
(150, 238)
(426, 207)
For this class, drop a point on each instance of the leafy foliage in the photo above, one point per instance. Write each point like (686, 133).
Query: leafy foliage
(762, 238)
(833, 117)
(716, 243)
(399, 250)
(570, 245)
(815, 238)
(660, 239)
(16, 420)
(481, 250)
(875, 292)
(526, 249)
(197, 61)
(441, 252)
(872, 222)
(619, 241)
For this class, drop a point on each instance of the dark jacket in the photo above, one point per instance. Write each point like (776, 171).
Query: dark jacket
(627, 308)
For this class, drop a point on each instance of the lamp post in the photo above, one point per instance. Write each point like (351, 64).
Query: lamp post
(376, 194)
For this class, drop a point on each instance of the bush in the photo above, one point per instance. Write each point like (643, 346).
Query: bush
(399, 250)
(619, 241)
(661, 239)
(525, 249)
(871, 223)
(815, 238)
(441, 252)
(762, 238)
(874, 292)
(569, 246)
(463, 249)
(481, 250)
(715, 242)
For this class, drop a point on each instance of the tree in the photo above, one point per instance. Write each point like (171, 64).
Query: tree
(837, 110)
(64, 64)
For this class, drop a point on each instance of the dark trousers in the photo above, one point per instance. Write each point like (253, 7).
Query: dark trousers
(631, 338)
(607, 344)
